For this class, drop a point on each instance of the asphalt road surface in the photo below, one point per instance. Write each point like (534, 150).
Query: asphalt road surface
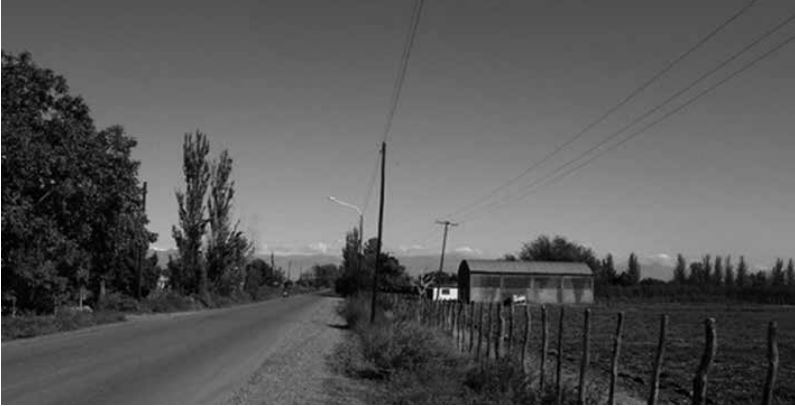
(203, 357)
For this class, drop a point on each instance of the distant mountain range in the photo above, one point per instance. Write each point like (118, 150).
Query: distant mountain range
(415, 264)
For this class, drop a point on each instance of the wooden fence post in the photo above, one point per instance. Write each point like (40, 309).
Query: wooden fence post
(772, 364)
(511, 315)
(611, 391)
(489, 333)
(450, 316)
(471, 311)
(480, 332)
(500, 339)
(526, 339)
(658, 360)
(458, 325)
(586, 337)
(544, 348)
(702, 373)
(559, 365)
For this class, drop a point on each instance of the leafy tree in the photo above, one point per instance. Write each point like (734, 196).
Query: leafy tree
(633, 269)
(777, 273)
(192, 222)
(742, 273)
(354, 275)
(71, 214)
(325, 275)
(696, 270)
(352, 259)
(706, 272)
(609, 273)
(729, 279)
(509, 257)
(227, 247)
(392, 276)
(558, 250)
(717, 275)
(790, 273)
(680, 271)
(759, 279)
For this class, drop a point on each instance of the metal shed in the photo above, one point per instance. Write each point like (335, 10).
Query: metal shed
(538, 282)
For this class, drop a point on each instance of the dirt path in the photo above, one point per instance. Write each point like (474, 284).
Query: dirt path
(296, 372)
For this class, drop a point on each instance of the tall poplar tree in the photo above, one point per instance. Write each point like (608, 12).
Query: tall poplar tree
(742, 273)
(680, 271)
(192, 221)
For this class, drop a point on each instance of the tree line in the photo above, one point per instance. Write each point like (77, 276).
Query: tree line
(696, 280)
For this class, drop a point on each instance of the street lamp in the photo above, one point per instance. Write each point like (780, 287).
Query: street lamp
(361, 217)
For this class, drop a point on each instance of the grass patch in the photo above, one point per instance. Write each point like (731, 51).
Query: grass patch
(30, 325)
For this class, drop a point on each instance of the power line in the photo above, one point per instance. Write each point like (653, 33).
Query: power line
(609, 111)
(404, 62)
(396, 91)
(370, 186)
(655, 109)
(556, 176)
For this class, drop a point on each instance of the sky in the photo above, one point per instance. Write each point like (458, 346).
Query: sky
(298, 92)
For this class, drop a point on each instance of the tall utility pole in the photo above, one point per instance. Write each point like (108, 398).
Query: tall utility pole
(142, 247)
(380, 229)
(447, 224)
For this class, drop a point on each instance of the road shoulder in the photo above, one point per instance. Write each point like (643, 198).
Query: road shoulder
(298, 371)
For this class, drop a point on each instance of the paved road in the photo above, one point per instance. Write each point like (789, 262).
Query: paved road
(204, 357)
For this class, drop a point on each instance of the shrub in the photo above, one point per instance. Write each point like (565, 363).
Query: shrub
(120, 302)
(168, 301)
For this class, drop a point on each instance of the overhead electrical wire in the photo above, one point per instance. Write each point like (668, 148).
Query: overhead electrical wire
(557, 175)
(396, 91)
(404, 63)
(631, 96)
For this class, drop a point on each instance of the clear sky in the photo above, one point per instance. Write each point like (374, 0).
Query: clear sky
(298, 92)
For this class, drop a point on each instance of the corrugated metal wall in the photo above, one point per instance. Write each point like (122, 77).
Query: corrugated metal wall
(536, 288)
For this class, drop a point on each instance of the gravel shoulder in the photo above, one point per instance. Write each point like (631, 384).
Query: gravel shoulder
(297, 371)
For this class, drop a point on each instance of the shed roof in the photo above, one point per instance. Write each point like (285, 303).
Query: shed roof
(534, 267)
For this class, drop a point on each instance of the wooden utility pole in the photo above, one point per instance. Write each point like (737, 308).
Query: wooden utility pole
(380, 230)
(447, 224)
(142, 248)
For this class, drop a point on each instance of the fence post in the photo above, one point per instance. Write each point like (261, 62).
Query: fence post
(500, 339)
(471, 311)
(544, 348)
(772, 363)
(458, 324)
(611, 391)
(526, 339)
(710, 348)
(559, 365)
(489, 333)
(511, 316)
(586, 337)
(480, 331)
(655, 377)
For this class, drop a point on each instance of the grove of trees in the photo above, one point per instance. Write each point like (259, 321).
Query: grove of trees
(213, 252)
(71, 198)
(358, 268)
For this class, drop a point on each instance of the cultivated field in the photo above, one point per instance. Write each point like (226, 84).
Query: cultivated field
(739, 370)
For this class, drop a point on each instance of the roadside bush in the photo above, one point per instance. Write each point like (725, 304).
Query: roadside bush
(168, 301)
(31, 325)
(404, 347)
(119, 302)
